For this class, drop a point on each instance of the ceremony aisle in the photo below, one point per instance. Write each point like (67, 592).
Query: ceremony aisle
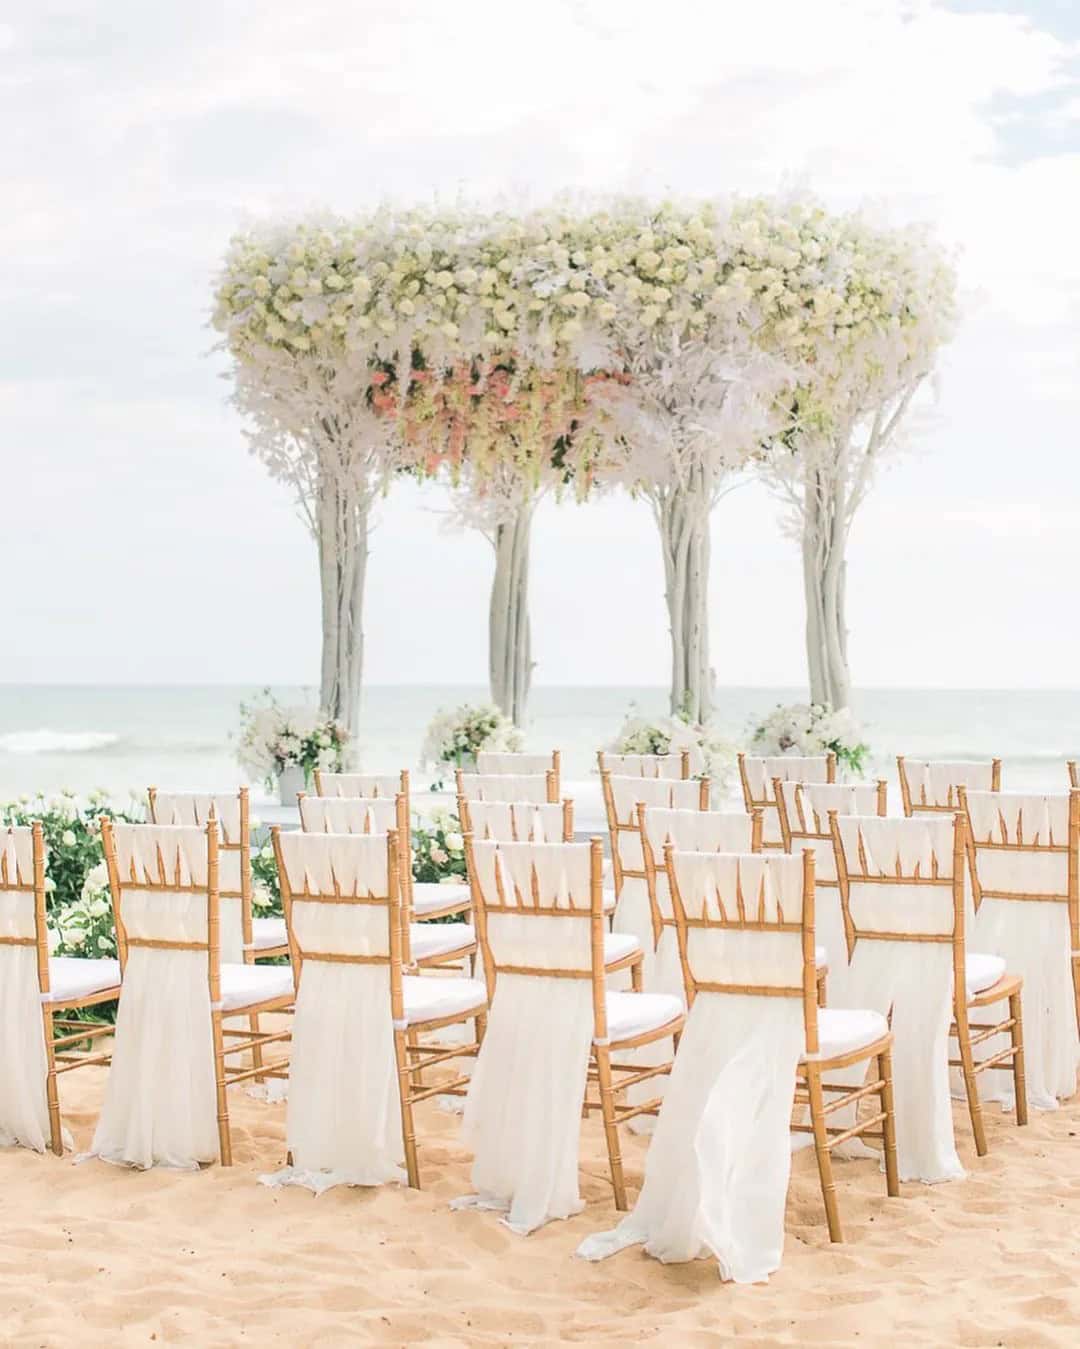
(99, 1252)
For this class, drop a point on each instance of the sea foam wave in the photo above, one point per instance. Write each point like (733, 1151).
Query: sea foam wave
(56, 742)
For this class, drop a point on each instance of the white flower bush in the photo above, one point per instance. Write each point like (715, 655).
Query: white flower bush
(811, 729)
(711, 754)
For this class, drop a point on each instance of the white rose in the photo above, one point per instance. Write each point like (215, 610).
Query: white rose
(455, 842)
(67, 838)
(76, 938)
(50, 884)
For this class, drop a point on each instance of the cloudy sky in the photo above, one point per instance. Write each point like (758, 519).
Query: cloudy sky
(141, 542)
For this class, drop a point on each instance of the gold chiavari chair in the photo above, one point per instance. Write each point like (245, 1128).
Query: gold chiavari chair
(622, 797)
(1024, 850)
(869, 858)
(756, 775)
(934, 784)
(492, 763)
(803, 812)
(546, 822)
(510, 881)
(308, 867)
(644, 765)
(776, 946)
(63, 983)
(154, 862)
(424, 944)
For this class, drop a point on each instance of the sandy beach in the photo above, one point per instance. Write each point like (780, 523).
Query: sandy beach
(91, 1254)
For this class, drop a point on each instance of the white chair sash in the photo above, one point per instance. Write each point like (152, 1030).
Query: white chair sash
(531, 787)
(348, 814)
(517, 821)
(343, 1122)
(913, 978)
(490, 762)
(160, 1106)
(934, 782)
(632, 913)
(1032, 935)
(24, 1115)
(523, 1111)
(642, 765)
(193, 808)
(360, 784)
(717, 1170)
(787, 767)
(692, 831)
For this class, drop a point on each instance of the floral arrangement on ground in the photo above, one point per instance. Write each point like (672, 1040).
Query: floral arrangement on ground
(711, 754)
(455, 736)
(811, 728)
(274, 738)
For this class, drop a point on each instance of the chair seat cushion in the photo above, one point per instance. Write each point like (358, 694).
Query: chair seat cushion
(440, 939)
(72, 978)
(633, 1014)
(241, 985)
(619, 945)
(429, 997)
(841, 1030)
(267, 933)
(431, 897)
(982, 972)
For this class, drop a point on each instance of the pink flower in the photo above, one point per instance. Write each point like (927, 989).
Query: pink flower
(379, 377)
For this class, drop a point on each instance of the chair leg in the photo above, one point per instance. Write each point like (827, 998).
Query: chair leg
(611, 1132)
(971, 1086)
(821, 1147)
(256, 1050)
(1016, 1011)
(636, 983)
(408, 1131)
(224, 1134)
(888, 1126)
(52, 1095)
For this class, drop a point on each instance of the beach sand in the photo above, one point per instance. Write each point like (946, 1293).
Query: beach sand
(91, 1254)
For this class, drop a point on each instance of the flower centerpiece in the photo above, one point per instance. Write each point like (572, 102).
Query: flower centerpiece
(811, 728)
(288, 744)
(711, 755)
(456, 736)
(439, 849)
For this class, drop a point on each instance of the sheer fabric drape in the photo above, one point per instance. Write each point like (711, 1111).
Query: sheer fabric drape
(343, 1124)
(517, 821)
(505, 787)
(348, 814)
(24, 1115)
(492, 762)
(193, 808)
(523, 1111)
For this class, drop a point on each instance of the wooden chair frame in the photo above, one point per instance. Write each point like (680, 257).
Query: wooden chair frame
(967, 1034)
(633, 826)
(915, 807)
(225, 1074)
(810, 1088)
(611, 1077)
(59, 1055)
(684, 763)
(410, 1056)
(1071, 897)
(766, 803)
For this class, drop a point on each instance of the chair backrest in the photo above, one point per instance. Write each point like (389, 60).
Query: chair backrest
(746, 926)
(902, 879)
(934, 784)
(757, 776)
(351, 814)
(232, 813)
(803, 810)
(623, 795)
(517, 821)
(164, 884)
(342, 903)
(494, 762)
(689, 831)
(645, 765)
(361, 784)
(23, 922)
(1024, 847)
(533, 787)
(539, 912)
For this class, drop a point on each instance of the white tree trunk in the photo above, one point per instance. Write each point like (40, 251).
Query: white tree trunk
(683, 517)
(342, 534)
(824, 583)
(509, 637)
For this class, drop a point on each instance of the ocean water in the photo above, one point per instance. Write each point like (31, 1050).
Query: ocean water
(128, 737)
